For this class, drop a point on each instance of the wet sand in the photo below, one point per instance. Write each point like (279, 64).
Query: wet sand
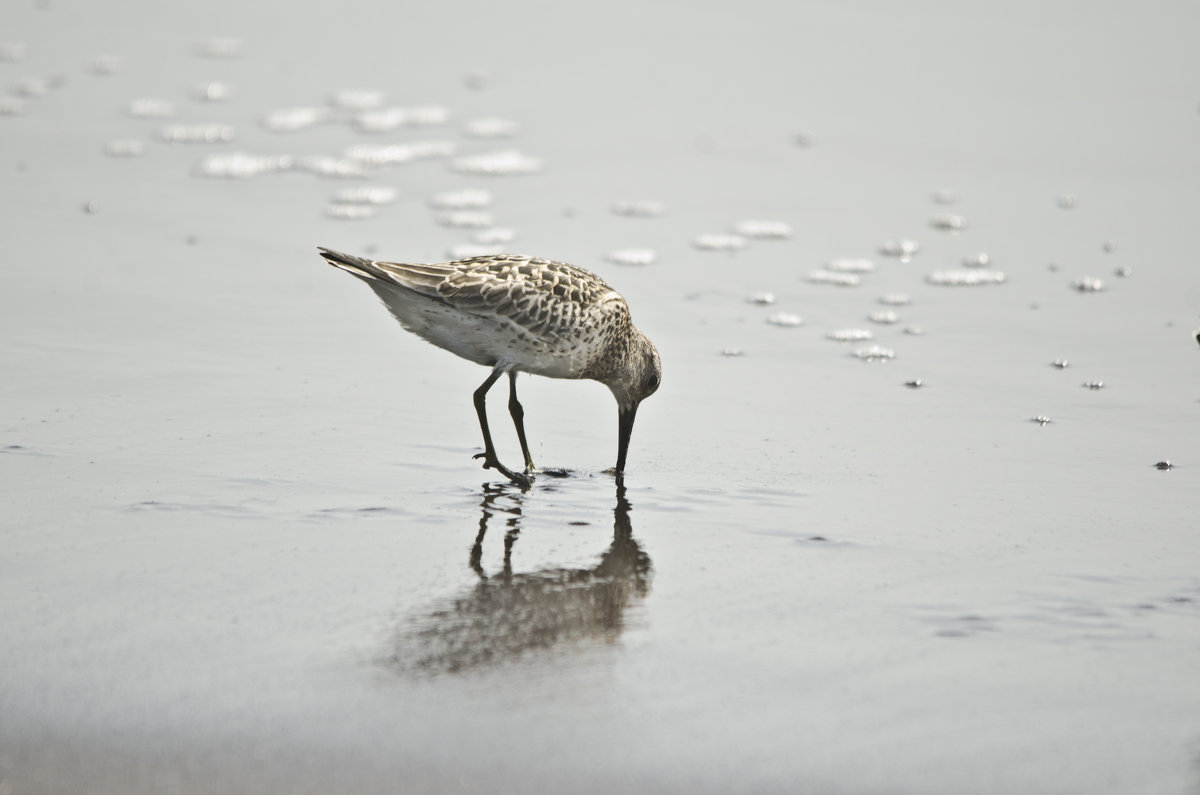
(246, 548)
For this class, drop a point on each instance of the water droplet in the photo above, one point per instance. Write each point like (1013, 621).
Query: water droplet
(507, 162)
(1061, 364)
(915, 383)
(240, 165)
(1041, 419)
(639, 208)
(1068, 201)
(979, 260)
(875, 353)
(903, 249)
(490, 127)
(762, 299)
(851, 265)
(13, 51)
(948, 222)
(91, 208)
(493, 236)
(357, 99)
(719, 242)
(150, 108)
(1165, 464)
(1108, 247)
(105, 65)
(1093, 384)
(885, 317)
(763, 230)
(400, 153)
(834, 278)
(221, 47)
(465, 219)
(350, 212)
(1088, 284)
(462, 199)
(470, 250)
(11, 106)
(366, 194)
(851, 335)
(965, 278)
(196, 133)
(125, 147)
(786, 319)
(732, 352)
(632, 256)
(293, 119)
(213, 91)
(1124, 272)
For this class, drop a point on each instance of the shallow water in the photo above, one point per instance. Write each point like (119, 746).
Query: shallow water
(246, 547)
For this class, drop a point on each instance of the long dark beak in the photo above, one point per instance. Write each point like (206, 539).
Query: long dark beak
(624, 429)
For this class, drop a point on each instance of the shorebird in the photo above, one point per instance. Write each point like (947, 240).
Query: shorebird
(520, 314)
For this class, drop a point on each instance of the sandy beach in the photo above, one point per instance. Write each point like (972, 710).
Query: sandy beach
(914, 511)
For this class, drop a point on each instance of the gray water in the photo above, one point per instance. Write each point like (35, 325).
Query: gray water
(245, 545)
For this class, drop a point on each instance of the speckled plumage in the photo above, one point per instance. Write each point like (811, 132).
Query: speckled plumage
(520, 314)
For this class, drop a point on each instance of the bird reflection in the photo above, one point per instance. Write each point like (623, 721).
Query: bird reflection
(509, 614)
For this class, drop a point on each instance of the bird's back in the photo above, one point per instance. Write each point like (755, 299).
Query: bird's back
(532, 314)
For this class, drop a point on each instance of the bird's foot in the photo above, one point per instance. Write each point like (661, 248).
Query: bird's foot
(491, 462)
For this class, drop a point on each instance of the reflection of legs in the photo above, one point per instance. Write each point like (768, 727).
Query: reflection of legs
(489, 450)
(518, 415)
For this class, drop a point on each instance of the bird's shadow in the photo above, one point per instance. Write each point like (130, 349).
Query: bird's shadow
(509, 614)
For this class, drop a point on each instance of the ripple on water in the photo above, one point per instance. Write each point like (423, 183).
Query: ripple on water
(639, 208)
(719, 241)
(461, 199)
(763, 230)
(834, 278)
(631, 256)
(972, 277)
(196, 133)
(502, 163)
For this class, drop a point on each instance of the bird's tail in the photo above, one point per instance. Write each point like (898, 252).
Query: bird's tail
(364, 269)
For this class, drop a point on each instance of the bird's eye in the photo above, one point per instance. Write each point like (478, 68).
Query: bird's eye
(652, 381)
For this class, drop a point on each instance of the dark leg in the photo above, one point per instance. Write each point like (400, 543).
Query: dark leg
(518, 415)
(489, 451)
